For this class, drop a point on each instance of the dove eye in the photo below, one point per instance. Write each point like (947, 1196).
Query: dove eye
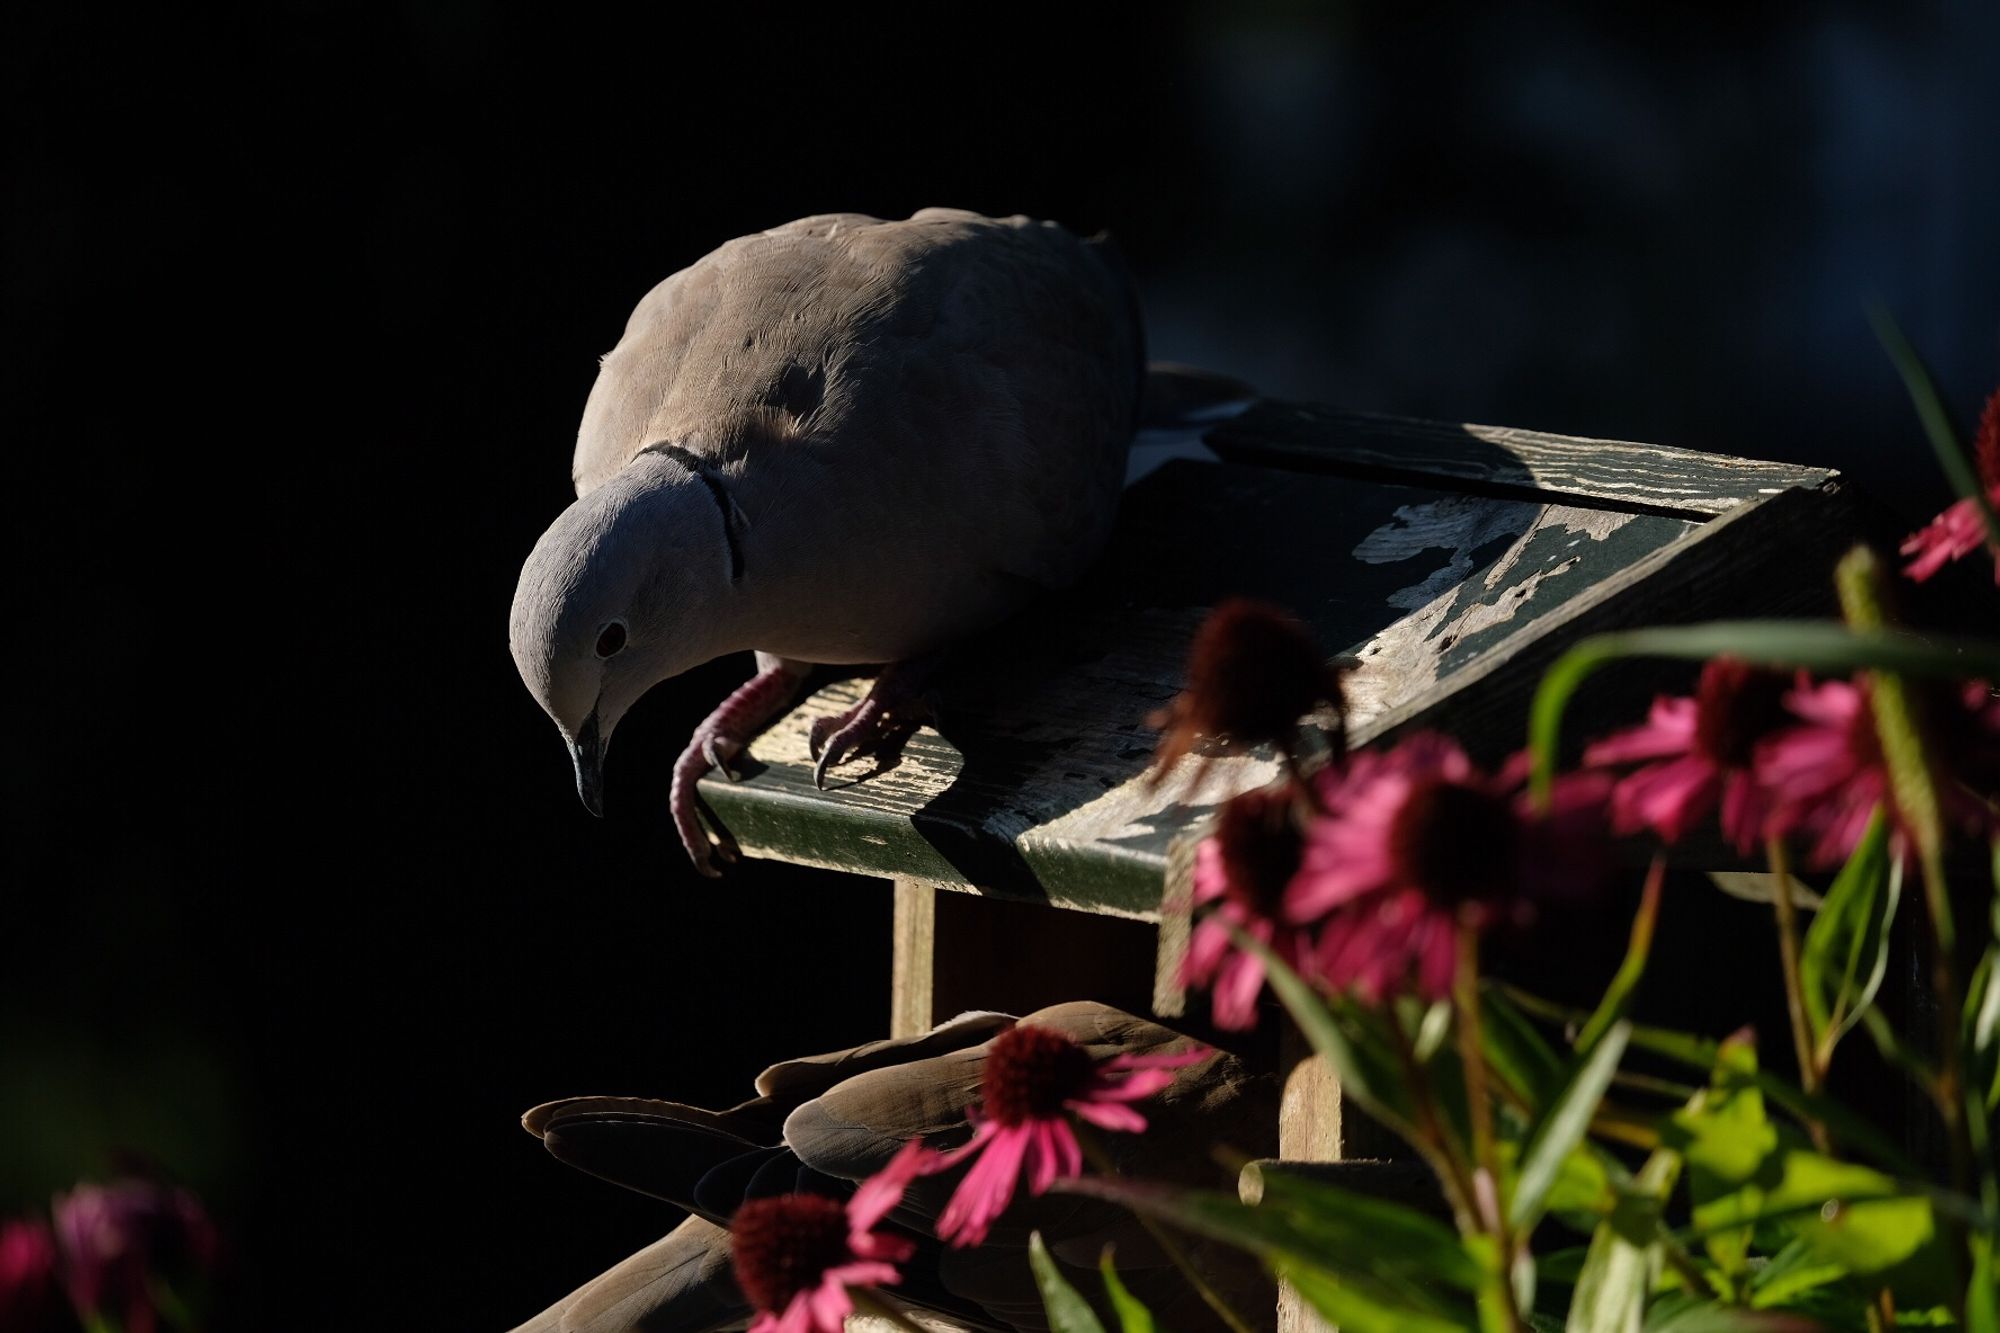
(612, 639)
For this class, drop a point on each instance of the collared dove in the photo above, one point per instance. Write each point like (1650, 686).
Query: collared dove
(821, 1123)
(841, 441)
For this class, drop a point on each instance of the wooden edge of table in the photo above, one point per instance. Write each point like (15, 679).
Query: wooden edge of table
(1505, 461)
(1711, 574)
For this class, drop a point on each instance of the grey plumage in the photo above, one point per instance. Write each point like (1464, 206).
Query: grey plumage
(824, 1122)
(842, 440)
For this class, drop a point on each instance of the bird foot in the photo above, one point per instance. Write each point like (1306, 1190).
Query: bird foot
(876, 727)
(721, 737)
(866, 730)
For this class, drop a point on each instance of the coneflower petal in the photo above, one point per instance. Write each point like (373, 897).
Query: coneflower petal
(987, 1188)
(1111, 1115)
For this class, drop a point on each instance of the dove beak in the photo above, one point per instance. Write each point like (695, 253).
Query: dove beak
(587, 749)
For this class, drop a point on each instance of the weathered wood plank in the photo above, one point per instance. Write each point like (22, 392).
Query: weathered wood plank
(1774, 557)
(1500, 460)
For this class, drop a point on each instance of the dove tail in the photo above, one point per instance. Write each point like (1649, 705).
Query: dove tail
(1178, 405)
(1177, 395)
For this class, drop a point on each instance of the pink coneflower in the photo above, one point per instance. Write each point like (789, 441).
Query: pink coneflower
(1415, 842)
(797, 1256)
(1253, 673)
(1033, 1078)
(1241, 873)
(1703, 752)
(27, 1275)
(1959, 531)
(1827, 775)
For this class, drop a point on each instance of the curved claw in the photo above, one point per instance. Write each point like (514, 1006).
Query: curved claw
(718, 753)
(866, 717)
(724, 849)
(822, 727)
(709, 854)
(688, 810)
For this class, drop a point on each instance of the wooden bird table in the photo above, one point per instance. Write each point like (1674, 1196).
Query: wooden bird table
(1451, 562)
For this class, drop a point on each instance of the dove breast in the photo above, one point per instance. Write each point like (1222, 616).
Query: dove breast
(911, 426)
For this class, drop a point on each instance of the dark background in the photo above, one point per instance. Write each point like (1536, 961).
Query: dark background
(302, 302)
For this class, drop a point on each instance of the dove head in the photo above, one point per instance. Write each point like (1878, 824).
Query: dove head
(628, 587)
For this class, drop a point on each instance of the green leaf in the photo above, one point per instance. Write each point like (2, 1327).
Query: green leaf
(1743, 1170)
(1408, 1240)
(1582, 1187)
(1517, 1051)
(1951, 454)
(1387, 1257)
(1565, 1124)
(1791, 1272)
(1067, 1310)
(1982, 1030)
(1624, 1256)
(1846, 949)
(1356, 1311)
(1894, 1240)
(1810, 644)
(1729, 1140)
(1982, 1298)
(1133, 1316)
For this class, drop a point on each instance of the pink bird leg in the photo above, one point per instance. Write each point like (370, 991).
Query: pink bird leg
(718, 740)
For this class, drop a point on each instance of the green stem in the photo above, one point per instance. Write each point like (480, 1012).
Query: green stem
(1678, 1259)
(1795, 992)
(1431, 1140)
(1471, 1053)
(1098, 1158)
(1491, 1205)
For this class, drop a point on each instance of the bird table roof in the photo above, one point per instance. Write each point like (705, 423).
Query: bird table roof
(1452, 562)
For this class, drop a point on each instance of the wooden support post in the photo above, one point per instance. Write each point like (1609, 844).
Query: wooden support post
(1309, 1119)
(1308, 1131)
(912, 982)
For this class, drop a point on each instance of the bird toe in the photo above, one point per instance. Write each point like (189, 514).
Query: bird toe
(718, 751)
